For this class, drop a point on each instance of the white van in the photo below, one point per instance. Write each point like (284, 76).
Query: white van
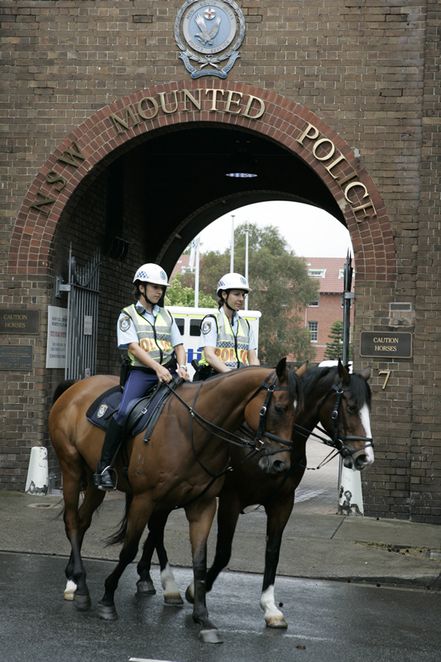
(189, 321)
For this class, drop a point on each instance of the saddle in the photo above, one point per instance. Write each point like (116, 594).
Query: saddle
(143, 412)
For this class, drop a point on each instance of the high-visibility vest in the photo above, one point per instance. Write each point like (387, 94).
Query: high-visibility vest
(154, 338)
(230, 348)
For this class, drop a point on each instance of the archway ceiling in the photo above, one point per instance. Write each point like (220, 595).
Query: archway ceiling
(183, 187)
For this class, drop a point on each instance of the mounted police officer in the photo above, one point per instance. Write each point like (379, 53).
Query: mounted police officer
(155, 353)
(227, 338)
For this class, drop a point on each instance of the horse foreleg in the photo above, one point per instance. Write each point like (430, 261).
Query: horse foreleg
(92, 500)
(136, 518)
(277, 517)
(200, 515)
(227, 516)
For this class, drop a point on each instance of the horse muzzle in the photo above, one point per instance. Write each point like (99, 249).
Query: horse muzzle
(358, 459)
(273, 464)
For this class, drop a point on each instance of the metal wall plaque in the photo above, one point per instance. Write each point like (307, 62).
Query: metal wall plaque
(386, 344)
(19, 322)
(16, 357)
(209, 35)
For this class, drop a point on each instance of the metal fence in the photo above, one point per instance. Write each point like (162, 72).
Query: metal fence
(82, 318)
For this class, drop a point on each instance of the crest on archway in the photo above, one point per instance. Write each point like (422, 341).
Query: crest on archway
(209, 35)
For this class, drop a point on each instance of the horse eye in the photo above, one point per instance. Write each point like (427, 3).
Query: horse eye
(279, 409)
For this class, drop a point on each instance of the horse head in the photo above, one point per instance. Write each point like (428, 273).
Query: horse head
(344, 412)
(272, 413)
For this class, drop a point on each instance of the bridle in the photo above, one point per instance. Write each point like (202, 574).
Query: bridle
(254, 442)
(337, 441)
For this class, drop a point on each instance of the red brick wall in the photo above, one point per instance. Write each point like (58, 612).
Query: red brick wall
(365, 73)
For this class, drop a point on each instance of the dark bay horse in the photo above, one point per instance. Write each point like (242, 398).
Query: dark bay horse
(183, 464)
(340, 401)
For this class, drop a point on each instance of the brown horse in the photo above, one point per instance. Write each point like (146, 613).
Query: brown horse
(340, 401)
(182, 465)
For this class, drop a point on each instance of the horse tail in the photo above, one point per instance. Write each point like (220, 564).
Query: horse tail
(62, 386)
(120, 533)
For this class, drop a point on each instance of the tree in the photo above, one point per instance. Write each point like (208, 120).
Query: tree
(334, 348)
(179, 294)
(280, 289)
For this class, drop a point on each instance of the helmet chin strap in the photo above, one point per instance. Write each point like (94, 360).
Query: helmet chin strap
(144, 294)
(233, 310)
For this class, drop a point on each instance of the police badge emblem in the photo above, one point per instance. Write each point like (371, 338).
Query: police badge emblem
(209, 35)
(124, 324)
(206, 327)
(101, 410)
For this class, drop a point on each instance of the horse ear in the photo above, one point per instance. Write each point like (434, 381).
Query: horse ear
(343, 372)
(365, 373)
(302, 369)
(281, 368)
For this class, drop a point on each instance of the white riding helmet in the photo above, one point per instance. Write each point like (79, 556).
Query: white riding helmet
(151, 273)
(232, 281)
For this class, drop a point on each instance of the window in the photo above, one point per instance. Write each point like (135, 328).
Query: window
(180, 323)
(317, 273)
(313, 331)
(341, 273)
(195, 327)
(314, 304)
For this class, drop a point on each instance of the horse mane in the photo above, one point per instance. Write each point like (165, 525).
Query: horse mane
(62, 386)
(360, 389)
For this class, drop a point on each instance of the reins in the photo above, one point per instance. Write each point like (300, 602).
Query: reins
(254, 446)
(233, 438)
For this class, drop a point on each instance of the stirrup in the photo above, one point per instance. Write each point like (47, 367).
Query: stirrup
(104, 479)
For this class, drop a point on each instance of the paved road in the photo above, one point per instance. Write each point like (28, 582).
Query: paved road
(393, 617)
(332, 621)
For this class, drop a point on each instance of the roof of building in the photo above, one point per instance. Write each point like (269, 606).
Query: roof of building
(329, 272)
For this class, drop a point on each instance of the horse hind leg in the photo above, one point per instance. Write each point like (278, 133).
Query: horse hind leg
(93, 498)
(155, 540)
(75, 571)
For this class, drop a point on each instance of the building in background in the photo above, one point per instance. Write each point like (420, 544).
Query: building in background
(321, 314)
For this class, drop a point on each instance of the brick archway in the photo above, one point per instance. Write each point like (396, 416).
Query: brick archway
(262, 111)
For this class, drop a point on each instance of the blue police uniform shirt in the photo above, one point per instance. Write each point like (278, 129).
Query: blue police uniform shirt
(129, 334)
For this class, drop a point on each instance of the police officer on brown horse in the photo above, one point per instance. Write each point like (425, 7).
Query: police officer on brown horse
(155, 352)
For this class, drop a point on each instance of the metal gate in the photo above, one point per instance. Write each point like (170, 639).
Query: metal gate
(82, 317)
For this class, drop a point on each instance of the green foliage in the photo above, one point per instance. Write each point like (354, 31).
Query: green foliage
(179, 294)
(334, 348)
(281, 288)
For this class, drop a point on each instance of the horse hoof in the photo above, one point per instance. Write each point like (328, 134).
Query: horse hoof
(277, 623)
(82, 602)
(189, 594)
(145, 588)
(107, 612)
(210, 636)
(173, 600)
(69, 591)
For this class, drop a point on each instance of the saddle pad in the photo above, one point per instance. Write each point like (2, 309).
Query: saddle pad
(101, 410)
(144, 412)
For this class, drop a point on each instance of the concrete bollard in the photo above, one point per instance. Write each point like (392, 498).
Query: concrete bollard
(350, 497)
(37, 480)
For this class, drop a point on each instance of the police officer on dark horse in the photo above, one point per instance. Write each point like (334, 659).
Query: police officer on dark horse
(227, 339)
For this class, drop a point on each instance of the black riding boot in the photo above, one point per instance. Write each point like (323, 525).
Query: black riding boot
(103, 478)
